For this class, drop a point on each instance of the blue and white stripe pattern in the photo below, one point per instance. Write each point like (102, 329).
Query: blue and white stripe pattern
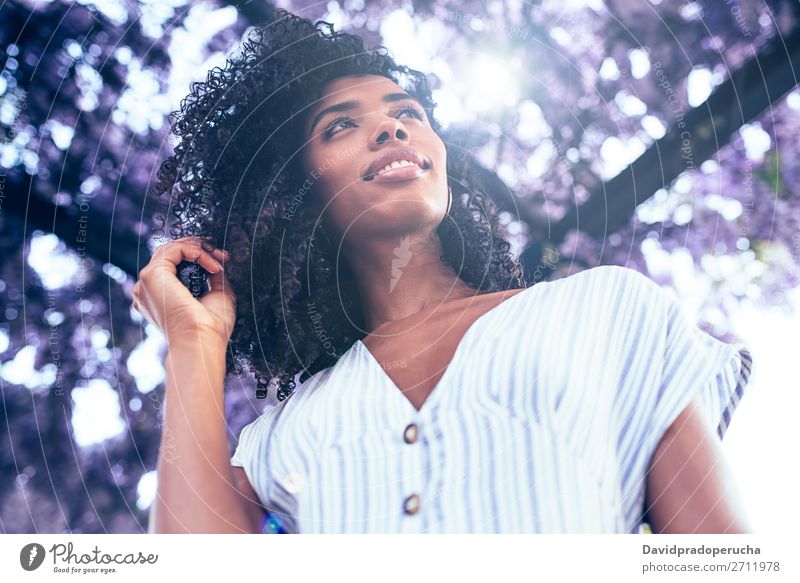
(545, 420)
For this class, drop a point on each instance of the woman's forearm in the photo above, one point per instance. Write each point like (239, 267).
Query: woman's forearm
(196, 490)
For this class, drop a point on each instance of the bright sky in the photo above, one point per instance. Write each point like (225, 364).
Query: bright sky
(760, 443)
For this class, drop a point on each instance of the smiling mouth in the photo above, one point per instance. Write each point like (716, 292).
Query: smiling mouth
(395, 165)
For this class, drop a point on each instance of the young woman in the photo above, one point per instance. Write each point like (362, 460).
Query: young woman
(439, 391)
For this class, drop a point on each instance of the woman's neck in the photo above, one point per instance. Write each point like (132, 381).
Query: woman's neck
(400, 278)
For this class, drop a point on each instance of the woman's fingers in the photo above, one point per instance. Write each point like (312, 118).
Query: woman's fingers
(163, 300)
(219, 282)
(221, 254)
(182, 252)
(169, 255)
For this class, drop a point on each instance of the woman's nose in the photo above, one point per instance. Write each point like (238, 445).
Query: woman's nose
(389, 129)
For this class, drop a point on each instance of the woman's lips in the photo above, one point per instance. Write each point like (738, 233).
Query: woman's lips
(399, 174)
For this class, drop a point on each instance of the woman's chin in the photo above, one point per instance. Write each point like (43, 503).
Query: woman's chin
(403, 217)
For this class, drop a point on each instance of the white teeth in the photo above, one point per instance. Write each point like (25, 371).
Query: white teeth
(396, 164)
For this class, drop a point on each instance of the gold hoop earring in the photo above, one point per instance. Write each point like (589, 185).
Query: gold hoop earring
(449, 200)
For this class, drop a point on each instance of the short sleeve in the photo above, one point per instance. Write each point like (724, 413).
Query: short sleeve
(252, 454)
(244, 446)
(697, 364)
(667, 362)
(253, 439)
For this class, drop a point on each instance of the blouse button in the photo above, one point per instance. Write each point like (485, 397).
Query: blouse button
(410, 433)
(411, 504)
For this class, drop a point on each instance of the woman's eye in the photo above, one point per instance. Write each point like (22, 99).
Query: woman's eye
(346, 121)
(336, 123)
(414, 111)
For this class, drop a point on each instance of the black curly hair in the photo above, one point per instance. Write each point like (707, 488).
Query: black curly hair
(233, 180)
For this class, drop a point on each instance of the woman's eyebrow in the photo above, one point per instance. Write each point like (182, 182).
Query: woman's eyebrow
(353, 103)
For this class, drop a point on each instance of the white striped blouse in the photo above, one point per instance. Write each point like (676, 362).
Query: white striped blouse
(545, 420)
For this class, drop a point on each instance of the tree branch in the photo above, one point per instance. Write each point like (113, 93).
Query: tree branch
(754, 87)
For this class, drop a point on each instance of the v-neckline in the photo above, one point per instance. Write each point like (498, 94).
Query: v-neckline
(432, 396)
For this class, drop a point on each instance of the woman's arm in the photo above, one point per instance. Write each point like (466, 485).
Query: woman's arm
(196, 491)
(196, 486)
(690, 488)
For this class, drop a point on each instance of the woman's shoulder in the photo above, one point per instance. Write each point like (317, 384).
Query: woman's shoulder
(600, 301)
(593, 294)
(611, 274)
(611, 282)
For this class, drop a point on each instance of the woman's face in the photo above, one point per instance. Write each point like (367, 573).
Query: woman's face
(360, 125)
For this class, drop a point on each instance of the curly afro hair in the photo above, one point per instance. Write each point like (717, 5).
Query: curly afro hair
(233, 177)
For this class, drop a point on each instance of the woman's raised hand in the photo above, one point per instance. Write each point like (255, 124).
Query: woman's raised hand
(168, 304)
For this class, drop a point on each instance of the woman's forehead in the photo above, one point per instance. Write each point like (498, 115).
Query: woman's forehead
(359, 83)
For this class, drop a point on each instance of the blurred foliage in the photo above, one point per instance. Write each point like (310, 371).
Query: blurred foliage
(554, 97)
